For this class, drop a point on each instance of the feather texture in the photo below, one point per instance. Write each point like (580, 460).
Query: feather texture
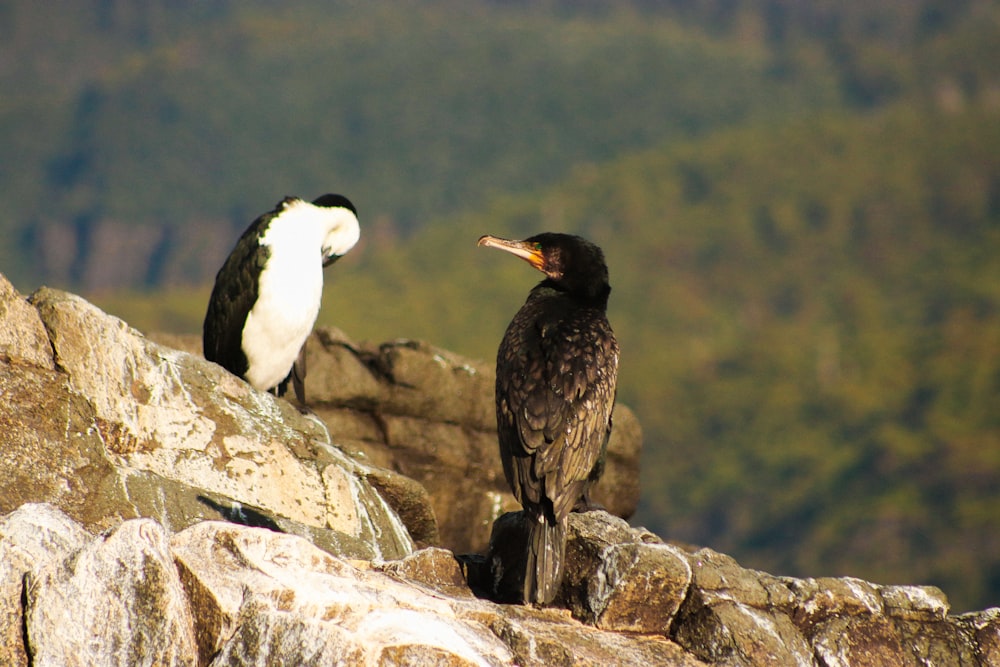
(557, 370)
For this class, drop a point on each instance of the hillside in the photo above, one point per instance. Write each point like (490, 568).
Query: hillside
(151, 134)
(178, 126)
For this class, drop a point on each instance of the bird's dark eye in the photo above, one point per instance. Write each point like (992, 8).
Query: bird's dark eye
(538, 247)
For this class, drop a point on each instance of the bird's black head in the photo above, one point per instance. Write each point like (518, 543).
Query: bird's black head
(335, 201)
(571, 263)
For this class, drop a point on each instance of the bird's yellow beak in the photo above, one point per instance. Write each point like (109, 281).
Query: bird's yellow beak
(529, 252)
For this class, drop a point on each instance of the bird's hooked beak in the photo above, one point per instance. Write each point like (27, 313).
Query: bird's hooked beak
(529, 252)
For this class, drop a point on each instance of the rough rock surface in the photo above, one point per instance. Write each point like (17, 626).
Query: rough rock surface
(140, 614)
(154, 510)
(108, 425)
(224, 594)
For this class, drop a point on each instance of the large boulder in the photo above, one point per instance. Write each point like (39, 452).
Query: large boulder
(108, 425)
(115, 601)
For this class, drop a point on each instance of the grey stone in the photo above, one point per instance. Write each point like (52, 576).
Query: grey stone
(116, 601)
(142, 429)
(23, 338)
(30, 538)
(617, 581)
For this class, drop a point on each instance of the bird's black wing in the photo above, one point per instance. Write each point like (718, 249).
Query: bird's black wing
(556, 378)
(234, 294)
(299, 375)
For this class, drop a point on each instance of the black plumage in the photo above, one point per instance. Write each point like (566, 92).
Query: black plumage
(233, 295)
(557, 370)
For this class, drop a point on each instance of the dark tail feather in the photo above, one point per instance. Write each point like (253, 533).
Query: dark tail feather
(544, 568)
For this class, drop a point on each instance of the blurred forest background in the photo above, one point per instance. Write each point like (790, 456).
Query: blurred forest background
(799, 201)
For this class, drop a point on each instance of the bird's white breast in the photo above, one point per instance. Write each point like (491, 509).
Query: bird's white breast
(289, 293)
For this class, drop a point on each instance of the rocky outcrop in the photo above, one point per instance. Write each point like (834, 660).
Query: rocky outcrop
(158, 511)
(221, 594)
(108, 425)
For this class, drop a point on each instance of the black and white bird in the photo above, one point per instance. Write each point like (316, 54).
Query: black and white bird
(557, 374)
(267, 294)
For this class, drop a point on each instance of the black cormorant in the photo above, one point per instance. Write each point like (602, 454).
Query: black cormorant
(267, 294)
(557, 370)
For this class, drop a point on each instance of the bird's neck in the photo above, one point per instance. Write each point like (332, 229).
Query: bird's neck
(592, 295)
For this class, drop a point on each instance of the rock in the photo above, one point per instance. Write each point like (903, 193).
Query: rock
(940, 643)
(739, 634)
(116, 601)
(120, 427)
(51, 450)
(22, 335)
(744, 617)
(410, 501)
(541, 639)
(817, 600)
(429, 414)
(252, 596)
(30, 538)
(437, 569)
(734, 615)
(914, 603)
(637, 587)
(266, 594)
(984, 630)
(226, 595)
(615, 577)
(618, 490)
(860, 641)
